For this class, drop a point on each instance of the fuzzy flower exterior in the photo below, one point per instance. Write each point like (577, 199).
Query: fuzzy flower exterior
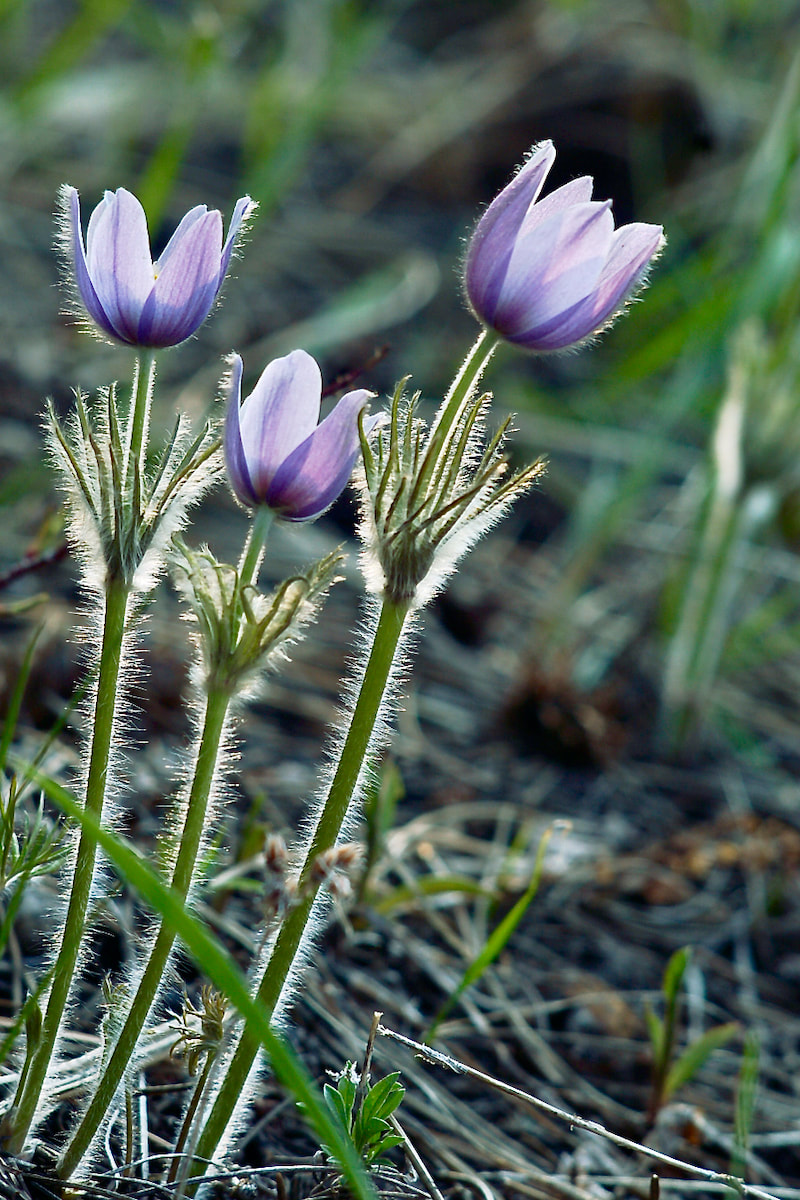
(547, 274)
(276, 452)
(129, 297)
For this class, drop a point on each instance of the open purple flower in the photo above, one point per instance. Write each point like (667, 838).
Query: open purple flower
(276, 452)
(548, 273)
(128, 296)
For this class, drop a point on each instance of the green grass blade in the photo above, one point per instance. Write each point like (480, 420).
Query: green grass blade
(692, 1059)
(15, 703)
(499, 937)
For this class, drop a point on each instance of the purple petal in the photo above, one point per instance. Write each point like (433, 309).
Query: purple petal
(633, 248)
(280, 412)
(119, 262)
(492, 242)
(235, 460)
(245, 207)
(186, 287)
(85, 286)
(317, 470)
(577, 191)
(555, 266)
(193, 215)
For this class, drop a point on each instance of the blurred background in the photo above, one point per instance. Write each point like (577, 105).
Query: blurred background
(626, 650)
(372, 134)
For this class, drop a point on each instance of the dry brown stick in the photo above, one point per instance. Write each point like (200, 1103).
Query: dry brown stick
(576, 1122)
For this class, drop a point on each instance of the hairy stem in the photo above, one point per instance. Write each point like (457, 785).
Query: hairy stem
(139, 417)
(116, 611)
(216, 713)
(343, 785)
(191, 838)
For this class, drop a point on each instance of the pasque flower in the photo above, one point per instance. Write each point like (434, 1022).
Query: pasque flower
(128, 296)
(276, 452)
(545, 274)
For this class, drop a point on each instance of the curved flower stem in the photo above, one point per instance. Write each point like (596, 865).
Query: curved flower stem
(334, 810)
(191, 836)
(116, 611)
(464, 384)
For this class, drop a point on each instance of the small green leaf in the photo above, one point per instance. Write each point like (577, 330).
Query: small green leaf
(693, 1057)
(655, 1031)
(675, 970)
(384, 1097)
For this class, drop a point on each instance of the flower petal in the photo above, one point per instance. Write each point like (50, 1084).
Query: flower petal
(238, 474)
(119, 262)
(193, 215)
(633, 249)
(280, 412)
(86, 290)
(186, 287)
(315, 472)
(577, 191)
(245, 207)
(492, 242)
(555, 266)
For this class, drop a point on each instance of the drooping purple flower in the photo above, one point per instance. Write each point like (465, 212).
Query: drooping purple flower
(546, 274)
(276, 452)
(128, 296)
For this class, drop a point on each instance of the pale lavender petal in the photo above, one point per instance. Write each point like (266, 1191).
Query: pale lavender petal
(186, 287)
(633, 249)
(245, 207)
(492, 242)
(577, 191)
(85, 286)
(235, 459)
(193, 215)
(118, 261)
(279, 414)
(555, 266)
(317, 470)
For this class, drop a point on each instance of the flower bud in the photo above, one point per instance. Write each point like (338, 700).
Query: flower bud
(129, 297)
(546, 274)
(276, 452)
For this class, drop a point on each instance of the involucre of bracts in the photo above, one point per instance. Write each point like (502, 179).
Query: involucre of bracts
(240, 630)
(121, 528)
(427, 494)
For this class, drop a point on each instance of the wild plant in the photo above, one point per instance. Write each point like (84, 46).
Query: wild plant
(543, 274)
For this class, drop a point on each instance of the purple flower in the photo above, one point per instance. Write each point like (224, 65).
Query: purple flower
(127, 295)
(546, 274)
(276, 452)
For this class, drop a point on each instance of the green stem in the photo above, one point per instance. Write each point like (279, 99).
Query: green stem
(190, 840)
(351, 761)
(216, 713)
(186, 1124)
(117, 596)
(465, 382)
(253, 551)
(138, 418)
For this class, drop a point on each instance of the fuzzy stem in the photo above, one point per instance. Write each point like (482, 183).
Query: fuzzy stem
(188, 1117)
(464, 384)
(252, 554)
(183, 872)
(343, 785)
(116, 611)
(216, 712)
(138, 417)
